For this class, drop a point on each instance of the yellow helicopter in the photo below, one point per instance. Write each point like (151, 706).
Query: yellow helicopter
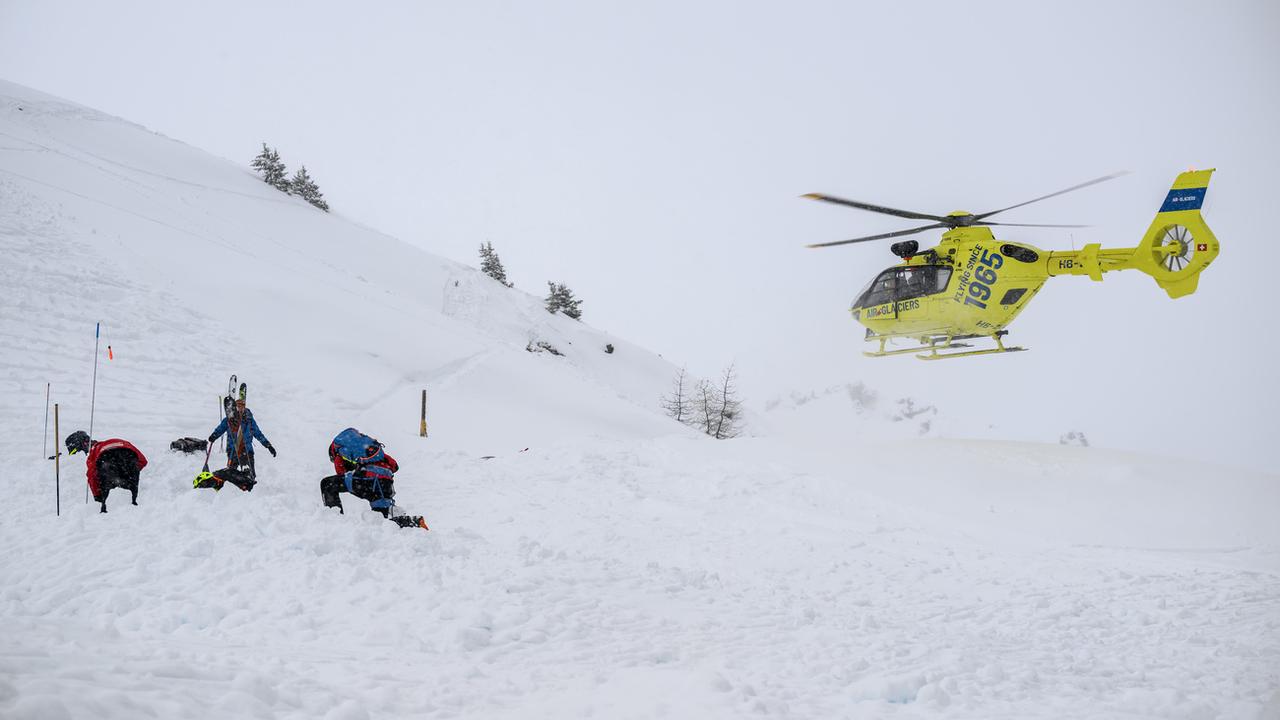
(972, 285)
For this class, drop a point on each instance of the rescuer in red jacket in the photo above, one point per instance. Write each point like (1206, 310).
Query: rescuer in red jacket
(110, 464)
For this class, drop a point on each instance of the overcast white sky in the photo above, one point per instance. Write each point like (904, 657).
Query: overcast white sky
(651, 155)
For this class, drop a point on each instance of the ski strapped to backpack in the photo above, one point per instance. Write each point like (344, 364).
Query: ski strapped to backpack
(228, 406)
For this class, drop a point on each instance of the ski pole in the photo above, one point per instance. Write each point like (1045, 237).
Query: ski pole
(208, 450)
(93, 395)
(45, 452)
(57, 466)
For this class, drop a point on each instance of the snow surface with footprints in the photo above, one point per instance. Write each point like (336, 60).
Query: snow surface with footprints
(605, 562)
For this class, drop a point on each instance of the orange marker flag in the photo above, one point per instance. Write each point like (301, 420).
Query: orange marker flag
(110, 355)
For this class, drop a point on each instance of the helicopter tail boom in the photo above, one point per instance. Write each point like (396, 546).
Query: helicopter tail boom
(1176, 248)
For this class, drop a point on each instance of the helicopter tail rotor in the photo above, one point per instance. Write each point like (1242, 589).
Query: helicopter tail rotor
(1179, 244)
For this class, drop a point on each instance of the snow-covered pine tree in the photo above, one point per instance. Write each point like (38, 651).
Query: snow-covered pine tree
(679, 402)
(304, 187)
(273, 171)
(491, 265)
(561, 299)
(555, 298)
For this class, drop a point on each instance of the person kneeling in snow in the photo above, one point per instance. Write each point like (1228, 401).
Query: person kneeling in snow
(113, 463)
(241, 429)
(366, 471)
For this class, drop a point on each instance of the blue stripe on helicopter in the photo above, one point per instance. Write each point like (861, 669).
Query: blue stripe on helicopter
(1190, 199)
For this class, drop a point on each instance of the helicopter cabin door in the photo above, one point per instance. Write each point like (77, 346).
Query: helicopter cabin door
(904, 300)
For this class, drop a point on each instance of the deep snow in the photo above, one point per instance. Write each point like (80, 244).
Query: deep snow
(834, 564)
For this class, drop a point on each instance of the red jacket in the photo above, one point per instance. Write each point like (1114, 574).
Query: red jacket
(101, 446)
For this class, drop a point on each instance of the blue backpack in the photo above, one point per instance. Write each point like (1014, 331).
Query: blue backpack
(356, 448)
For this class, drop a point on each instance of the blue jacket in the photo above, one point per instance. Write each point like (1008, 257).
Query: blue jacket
(240, 437)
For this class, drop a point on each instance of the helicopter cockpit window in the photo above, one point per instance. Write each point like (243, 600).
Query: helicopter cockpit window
(903, 284)
(922, 280)
(880, 291)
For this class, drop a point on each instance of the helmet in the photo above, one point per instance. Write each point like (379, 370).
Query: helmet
(78, 440)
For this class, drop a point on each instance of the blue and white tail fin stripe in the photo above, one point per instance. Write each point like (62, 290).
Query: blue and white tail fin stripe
(1187, 199)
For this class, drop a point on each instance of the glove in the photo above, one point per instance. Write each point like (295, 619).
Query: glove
(270, 449)
(213, 438)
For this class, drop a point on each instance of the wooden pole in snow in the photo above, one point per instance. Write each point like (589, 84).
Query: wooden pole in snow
(422, 428)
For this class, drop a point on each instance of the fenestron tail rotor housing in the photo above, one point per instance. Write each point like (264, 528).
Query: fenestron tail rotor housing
(1178, 249)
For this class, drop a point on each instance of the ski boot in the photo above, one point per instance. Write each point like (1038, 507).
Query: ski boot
(408, 521)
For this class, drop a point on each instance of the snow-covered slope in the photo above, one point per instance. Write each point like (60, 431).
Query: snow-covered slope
(107, 222)
(833, 565)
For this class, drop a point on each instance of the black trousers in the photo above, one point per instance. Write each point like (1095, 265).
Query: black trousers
(107, 481)
(363, 488)
(117, 468)
(244, 464)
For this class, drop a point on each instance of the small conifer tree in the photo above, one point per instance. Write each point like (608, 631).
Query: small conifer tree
(304, 187)
(561, 299)
(717, 409)
(679, 402)
(704, 406)
(728, 417)
(491, 265)
(273, 171)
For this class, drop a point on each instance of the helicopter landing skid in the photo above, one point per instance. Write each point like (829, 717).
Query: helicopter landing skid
(933, 346)
(999, 348)
(918, 348)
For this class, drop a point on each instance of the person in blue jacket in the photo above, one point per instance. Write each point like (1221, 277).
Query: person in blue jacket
(241, 429)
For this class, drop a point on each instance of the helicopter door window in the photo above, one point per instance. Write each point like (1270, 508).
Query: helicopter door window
(912, 284)
(922, 280)
(941, 278)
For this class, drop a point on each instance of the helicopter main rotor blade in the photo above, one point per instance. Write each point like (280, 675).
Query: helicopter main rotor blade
(1095, 181)
(983, 222)
(882, 236)
(872, 208)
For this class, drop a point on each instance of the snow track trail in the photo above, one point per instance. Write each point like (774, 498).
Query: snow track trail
(604, 561)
